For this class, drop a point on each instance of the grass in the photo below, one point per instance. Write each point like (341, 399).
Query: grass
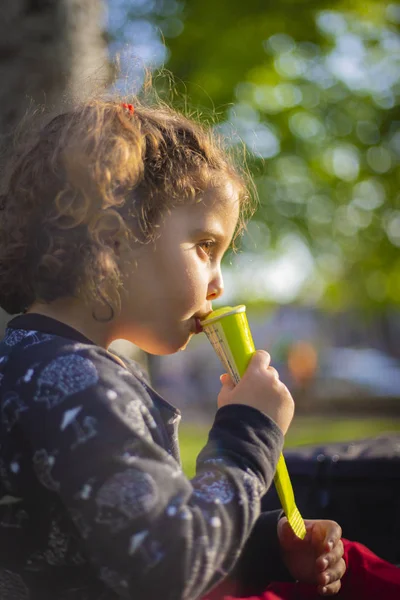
(304, 430)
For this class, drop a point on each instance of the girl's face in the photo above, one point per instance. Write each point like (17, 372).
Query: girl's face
(171, 282)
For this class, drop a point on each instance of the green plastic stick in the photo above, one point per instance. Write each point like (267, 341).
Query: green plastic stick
(229, 333)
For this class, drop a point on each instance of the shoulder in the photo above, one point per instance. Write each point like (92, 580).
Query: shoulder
(76, 359)
(55, 361)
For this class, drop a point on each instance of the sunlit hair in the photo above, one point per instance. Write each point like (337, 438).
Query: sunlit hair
(91, 177)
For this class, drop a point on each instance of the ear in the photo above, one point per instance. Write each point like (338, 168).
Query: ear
(117, 245)
(109, 238)
(111, 231)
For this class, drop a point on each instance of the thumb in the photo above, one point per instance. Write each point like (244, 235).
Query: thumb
(318, 536)
(288, 540)
(224, 396)
(284, 532)
(227, 383)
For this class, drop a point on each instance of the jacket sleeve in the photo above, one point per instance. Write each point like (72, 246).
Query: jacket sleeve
(148, 530)
(260, 562)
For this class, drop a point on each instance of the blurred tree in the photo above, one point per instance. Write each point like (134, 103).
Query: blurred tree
(49, 51)
(312, 89)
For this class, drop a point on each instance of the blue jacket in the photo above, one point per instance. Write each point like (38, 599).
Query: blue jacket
(93, 502)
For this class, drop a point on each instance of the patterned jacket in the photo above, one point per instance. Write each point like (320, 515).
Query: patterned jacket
(93, 502)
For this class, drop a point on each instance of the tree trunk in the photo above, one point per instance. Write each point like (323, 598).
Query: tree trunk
(50, 51)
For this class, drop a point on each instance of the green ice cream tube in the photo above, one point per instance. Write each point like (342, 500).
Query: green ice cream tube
(228, 331)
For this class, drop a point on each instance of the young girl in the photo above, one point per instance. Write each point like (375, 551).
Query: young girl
(114, 221)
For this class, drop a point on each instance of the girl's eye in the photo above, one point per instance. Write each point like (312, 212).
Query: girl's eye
(207, 247)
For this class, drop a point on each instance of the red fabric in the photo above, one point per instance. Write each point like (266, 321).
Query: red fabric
(368, 577)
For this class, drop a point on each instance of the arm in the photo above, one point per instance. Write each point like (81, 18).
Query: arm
(145, 526)
(261, 561)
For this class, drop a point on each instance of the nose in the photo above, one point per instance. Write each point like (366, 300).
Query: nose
(215, 287)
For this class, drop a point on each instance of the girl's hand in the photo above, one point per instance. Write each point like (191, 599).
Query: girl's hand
(318, 559)
(260, 388)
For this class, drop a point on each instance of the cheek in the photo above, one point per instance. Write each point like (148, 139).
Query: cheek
(194, 284)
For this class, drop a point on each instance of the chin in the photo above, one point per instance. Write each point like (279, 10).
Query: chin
(163, 348)
(185, 345)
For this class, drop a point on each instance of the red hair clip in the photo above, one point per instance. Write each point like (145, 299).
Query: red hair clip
(129, 107)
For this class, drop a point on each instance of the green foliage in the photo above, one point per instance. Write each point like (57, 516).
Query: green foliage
(312, 88)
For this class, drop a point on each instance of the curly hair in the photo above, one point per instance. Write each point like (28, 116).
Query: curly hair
(98, 171)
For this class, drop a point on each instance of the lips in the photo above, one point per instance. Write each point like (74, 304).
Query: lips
(199, 318)
(198, 327)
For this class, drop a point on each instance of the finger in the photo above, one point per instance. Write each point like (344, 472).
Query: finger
(332, 535)
(273, 371)
(259, 360)
(329, 560)
(332, 576)
(325, 535)
(333, 580)
(317, 537)
(329, 590)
